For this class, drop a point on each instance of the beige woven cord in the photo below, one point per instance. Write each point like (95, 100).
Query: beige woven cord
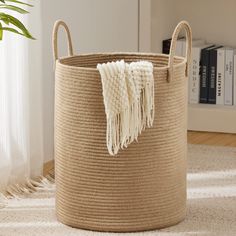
(145, 186)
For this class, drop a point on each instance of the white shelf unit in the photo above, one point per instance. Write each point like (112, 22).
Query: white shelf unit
(212, 118)
(212, 20)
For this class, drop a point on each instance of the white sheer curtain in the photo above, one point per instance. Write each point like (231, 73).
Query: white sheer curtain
(21, 137)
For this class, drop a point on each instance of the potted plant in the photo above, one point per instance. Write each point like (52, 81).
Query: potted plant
(11, 23)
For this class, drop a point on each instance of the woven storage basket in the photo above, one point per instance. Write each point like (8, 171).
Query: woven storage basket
(144, 186)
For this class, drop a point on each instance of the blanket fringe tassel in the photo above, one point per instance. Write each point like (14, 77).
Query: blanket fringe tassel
(139, 115)
(22, 190)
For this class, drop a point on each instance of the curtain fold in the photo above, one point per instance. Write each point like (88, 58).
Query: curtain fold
(21, 119)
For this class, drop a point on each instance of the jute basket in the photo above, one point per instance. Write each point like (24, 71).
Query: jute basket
(144, 186)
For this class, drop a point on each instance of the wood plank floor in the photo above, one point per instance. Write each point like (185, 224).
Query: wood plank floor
(216, 139)
(48, 167)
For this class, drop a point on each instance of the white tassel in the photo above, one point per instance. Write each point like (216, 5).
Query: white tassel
(128, 92)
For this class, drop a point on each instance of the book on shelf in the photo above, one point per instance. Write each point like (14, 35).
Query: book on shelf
(195, 43)
(166, 46)
(194, 72)
(180, 46)
(212, 75)
(204, 73)
(220, 76)
(181, 42)
(229, 57)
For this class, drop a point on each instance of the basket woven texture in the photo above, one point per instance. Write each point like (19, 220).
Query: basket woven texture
(144, 186)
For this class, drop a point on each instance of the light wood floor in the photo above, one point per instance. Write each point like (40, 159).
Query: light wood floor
(48, 167)
(217, 139)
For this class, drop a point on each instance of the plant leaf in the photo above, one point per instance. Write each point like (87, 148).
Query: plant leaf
(12, 30)
(19, 2)
(6, 21)
(14, 21)
(2, 1)
(13, 8)
(1, 31)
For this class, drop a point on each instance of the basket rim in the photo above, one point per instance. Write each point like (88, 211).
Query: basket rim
(59, 61)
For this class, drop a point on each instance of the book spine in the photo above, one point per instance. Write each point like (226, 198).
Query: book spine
(220, 79)
(166, 46)
(228, 77)
(204, 76)
(212, 77)
(179, 48)
(184, 47)
(194, 77)
(234, 92)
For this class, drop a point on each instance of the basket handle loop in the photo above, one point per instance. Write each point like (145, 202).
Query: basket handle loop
(54, 38)
(182, 25)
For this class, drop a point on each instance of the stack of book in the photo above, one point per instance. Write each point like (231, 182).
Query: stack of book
(212, 77)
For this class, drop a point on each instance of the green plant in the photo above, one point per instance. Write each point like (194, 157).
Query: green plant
(7, 20)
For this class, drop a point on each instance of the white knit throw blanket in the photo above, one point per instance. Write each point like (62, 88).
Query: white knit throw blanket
(128, 93)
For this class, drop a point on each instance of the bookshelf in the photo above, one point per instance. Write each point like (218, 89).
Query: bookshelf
(211, 20)
(212, 118)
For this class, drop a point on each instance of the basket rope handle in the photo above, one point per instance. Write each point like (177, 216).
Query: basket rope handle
(54, 38)
(182, 25)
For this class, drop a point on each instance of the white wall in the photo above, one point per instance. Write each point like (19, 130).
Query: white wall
(145, 9)
(96, 26)
(163, 21)
(212, 20)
